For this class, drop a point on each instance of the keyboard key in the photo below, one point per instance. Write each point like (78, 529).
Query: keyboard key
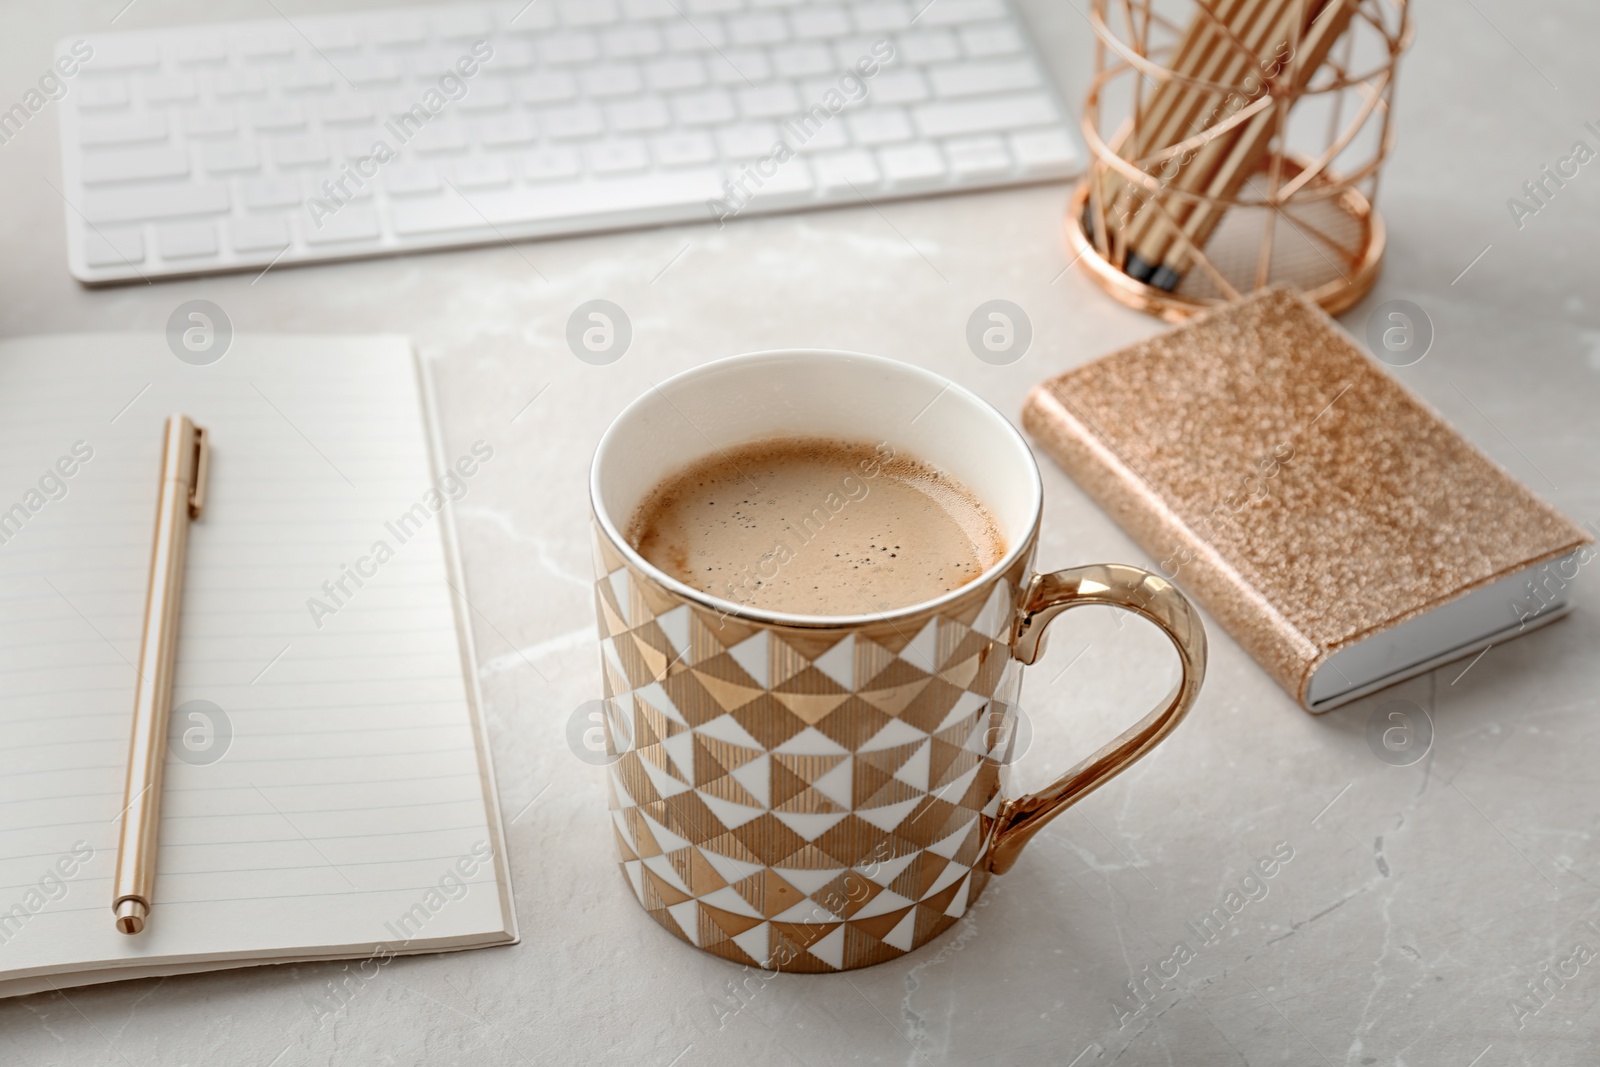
(124, 53)
(333, 187)
(134, 164)
(820, 23)
(848, 51)
(992, 113)
(342, 109)
(760, 28)
(271, 192)
(380, 70)
(974, 79)
(437, 214)
(683, 149)
(305, 79)
(582, 120)
(978, 157)
(102, 92)
(228, 83)
(790, 184)
(911, 166)
(258, 233)
(880, 125)
(276, 116)
(648, 10)
(739, 67)
(208, 122)
(401, 31)
(899, 87)
(998, 39)
(801, 60)
(125, 129)
(703, 36)
(462, 24)
(335, 37)
(299, 151)
(768, 101)
(482, 171)
(568, 47)
(882, 15)
(442, 136)
(713, 7)
(682, 73)
(549, 164)
(154, 202)
(817, 137)
(957, 12)
(352, 222)
(632, 41)
(842, 169)
(507, 130)
(612, 80)
(426, 64)
(589, 12)
(226, 157)
(113, 247)
(511, 54)
(644, 113)
(617, 157)
(748, 141)
(703, 108)
(185, 240)
(926, 46)
(1043, 152)
(532, 18)
(202, 50)
(358, 143)
(265, 44)
(550, 86)
(485, 94)
(406, 180)
(816, 90)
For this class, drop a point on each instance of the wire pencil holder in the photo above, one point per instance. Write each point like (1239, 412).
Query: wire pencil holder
(1267, 173)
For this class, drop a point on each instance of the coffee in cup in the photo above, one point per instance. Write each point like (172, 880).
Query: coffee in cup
(816, 526)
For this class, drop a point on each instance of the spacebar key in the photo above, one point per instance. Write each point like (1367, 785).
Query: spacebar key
(583, 202)
(155, 202)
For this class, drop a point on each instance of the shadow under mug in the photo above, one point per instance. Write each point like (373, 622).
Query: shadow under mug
(818, 793)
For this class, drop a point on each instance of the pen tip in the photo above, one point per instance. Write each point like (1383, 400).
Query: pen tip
(131, 915)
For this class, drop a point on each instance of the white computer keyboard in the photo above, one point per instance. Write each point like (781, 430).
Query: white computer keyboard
(235, 146)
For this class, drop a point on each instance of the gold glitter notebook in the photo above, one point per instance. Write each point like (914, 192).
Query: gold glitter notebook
(1339, 529)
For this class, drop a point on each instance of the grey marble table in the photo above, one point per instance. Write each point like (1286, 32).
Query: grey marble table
(1420, 901)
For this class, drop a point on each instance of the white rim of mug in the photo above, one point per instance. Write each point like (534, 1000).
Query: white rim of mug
(762, 616)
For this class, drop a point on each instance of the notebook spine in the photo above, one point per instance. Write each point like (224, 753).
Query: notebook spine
(1181, 553)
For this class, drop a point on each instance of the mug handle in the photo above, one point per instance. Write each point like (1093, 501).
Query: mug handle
(1119, 586)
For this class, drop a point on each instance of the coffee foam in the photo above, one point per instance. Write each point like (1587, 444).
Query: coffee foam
(817, 526)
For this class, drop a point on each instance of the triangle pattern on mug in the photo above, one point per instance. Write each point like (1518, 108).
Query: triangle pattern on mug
(798, 799)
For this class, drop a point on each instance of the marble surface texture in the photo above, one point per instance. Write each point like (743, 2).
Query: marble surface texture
(1420, 900)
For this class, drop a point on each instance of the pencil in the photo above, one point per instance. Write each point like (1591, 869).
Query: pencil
(1253, 35)
(1327, 25)
(1173, 102)
(1123, 199)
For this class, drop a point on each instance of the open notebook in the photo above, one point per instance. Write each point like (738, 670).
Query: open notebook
(341, 802)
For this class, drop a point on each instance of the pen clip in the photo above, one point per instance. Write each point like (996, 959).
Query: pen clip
(202, 466)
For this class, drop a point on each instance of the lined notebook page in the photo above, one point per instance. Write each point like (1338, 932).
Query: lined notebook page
(354, 789)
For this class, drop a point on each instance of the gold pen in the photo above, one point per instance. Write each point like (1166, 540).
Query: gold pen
(184, 459)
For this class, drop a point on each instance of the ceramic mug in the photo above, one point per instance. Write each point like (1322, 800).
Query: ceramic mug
(818, 793)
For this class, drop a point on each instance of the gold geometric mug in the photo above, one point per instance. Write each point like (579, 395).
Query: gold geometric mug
(819, 793)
